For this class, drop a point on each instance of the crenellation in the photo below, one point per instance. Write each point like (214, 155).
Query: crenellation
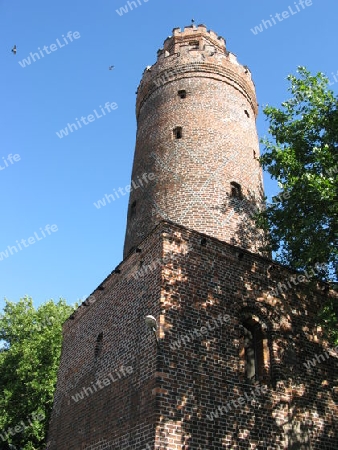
(233, 58)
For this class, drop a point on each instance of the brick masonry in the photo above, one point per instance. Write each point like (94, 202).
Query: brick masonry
(219, 143)
(116, 388)
(166, 401)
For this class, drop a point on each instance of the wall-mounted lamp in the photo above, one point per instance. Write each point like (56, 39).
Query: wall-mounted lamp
(152, 325)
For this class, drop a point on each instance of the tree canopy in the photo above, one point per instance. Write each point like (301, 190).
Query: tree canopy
(30, 349)
(302, 155)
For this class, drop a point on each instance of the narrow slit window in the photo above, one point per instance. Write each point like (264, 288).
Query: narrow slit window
(178, 133)
(236, 190)
(254, 354)
(99, 344)
(246, 113)
(182, 93)
(133, 209)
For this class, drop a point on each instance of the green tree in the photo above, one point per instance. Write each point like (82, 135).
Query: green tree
(30, 351)
(302, 155)
(329, 318)
(302, 220)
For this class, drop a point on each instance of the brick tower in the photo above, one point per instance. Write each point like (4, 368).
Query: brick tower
(196, 114)
(236, 359)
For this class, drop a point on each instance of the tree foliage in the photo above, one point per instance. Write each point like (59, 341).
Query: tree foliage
(302, 155)
(329, 318)
(30, 351)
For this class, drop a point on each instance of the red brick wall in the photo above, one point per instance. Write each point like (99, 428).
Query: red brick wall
(299, 409)
(219, 143)
(127, 405)
(172, 390)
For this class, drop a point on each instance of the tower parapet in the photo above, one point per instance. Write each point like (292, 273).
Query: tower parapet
(192, 50)
(196, 114)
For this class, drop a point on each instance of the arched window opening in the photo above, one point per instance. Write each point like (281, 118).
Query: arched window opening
(254, 350)
(236, 190)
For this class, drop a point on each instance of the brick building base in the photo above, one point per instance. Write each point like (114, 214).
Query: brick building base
(191, 391)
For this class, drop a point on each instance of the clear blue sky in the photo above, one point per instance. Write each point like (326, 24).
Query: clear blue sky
(57, 180)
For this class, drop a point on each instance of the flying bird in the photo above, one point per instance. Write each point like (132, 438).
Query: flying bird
(14, 49)
(111, 67)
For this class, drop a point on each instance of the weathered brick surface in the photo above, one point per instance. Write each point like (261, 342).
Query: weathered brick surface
(166, 401)
(299, 409)
(200, 288)
(123, 413)
(218, 146)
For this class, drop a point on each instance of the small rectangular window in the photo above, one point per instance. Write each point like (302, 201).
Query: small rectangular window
(182, 93)
(177, 133)
(194, 44)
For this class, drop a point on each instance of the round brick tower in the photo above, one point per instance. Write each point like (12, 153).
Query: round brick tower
(195, 160)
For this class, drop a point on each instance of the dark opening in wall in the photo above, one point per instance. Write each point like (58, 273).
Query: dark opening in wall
(203, 241)
(182, 93)
(236, 190)
(132, 211)
(99, 344)
(194, 44)
(253, 346)
(177, 133)
(246, 113)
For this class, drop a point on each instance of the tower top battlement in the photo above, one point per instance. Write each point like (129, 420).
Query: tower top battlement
(198, 33)
(195, 51)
